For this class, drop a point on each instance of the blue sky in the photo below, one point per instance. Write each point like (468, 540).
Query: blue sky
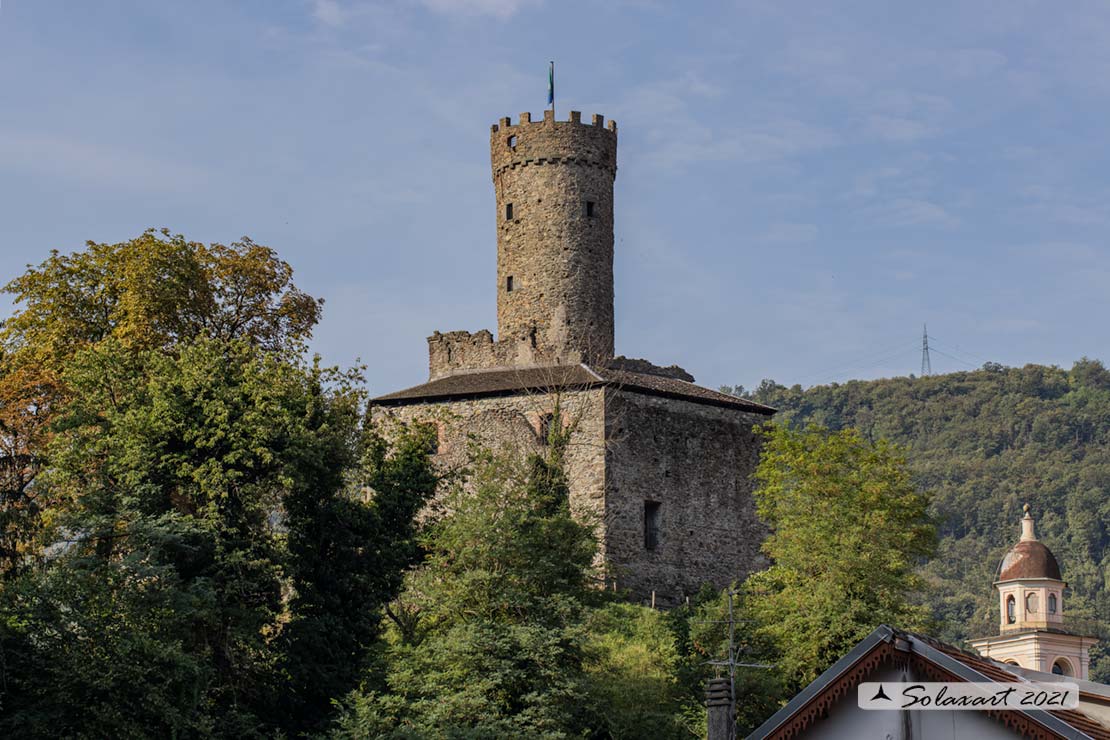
(801, 185)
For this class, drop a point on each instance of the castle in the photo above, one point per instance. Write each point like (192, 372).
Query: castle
(661, 465)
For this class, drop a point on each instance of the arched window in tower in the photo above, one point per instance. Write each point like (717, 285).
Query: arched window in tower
(1061, 668)
(1052, 603)
(1031, 603)
(1011, 610)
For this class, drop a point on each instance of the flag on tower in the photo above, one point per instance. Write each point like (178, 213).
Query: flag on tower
(551, 85)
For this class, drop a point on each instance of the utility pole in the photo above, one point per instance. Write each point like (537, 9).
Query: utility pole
(722, 705)
(926, 364)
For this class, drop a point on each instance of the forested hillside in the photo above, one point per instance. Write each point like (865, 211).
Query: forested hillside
(984, 443)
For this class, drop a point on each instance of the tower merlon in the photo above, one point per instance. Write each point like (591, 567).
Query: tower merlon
(597, 120)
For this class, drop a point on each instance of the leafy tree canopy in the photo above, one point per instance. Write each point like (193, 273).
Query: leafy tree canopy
(157, 291)
(848, 530)
(220, 527)
(490, 636)
(984, 443)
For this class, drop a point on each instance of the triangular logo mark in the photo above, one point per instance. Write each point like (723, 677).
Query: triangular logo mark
(881, 694)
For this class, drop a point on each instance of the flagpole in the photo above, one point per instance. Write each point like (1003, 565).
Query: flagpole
(551, 87)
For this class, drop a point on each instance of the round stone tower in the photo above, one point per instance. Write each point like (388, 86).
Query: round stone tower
(553, 181)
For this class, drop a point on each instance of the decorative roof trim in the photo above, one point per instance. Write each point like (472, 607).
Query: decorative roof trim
(885, 643)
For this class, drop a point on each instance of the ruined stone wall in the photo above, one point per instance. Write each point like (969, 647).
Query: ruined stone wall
(553, 182)
(696, 462)
(514, 423)
(461, 351)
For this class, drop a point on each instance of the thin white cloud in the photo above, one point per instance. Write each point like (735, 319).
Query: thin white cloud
(498, 8)
(329, 12)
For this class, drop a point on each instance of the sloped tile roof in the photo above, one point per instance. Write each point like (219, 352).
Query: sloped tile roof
(945, 662)
(511, 381)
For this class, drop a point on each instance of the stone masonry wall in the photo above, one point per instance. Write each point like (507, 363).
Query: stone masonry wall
(553, 183)
(513, 423)
(696, 462)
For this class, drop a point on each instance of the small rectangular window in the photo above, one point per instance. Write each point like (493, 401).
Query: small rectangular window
(544, 430)
(508, 211)
(589, 209)
(509, 284)
(651, 525)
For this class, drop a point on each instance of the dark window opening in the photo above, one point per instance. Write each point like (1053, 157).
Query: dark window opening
(1057, 669)
(1011, 617)
(508, 211)
(512, 142)
(651, 524)
(1052, 603)
(509, 284)
(545, 428)
(589, 209)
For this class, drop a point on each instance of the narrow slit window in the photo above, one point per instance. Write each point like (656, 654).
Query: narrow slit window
(509, 284)
(508, 211)
(544, 430)
(1011, 611)
(589, 209)
(651, 525)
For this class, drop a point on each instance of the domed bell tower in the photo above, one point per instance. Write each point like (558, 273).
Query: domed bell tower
(553, 182)
(1032, 631)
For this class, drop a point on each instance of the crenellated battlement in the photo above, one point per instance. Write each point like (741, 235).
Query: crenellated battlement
(548, 141)
(597, 120)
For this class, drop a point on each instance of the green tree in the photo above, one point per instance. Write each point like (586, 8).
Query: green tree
(217, 531)
(984, 443)
(634, 668)
(490, 630)
(198, 490)
(848, 531)
(157, 291)
(347, 558)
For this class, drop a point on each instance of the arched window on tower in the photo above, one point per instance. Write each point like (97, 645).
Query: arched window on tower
(1061, 668)
(1011, 610)
(1031, 603)
(1052, 603)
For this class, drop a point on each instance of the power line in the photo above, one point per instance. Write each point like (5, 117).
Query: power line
(868, 360)
(953, 357)
(958, 350)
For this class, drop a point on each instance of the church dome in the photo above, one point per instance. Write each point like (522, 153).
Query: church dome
(1029, 558)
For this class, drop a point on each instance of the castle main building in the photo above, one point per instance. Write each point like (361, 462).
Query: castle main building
(663, 466)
